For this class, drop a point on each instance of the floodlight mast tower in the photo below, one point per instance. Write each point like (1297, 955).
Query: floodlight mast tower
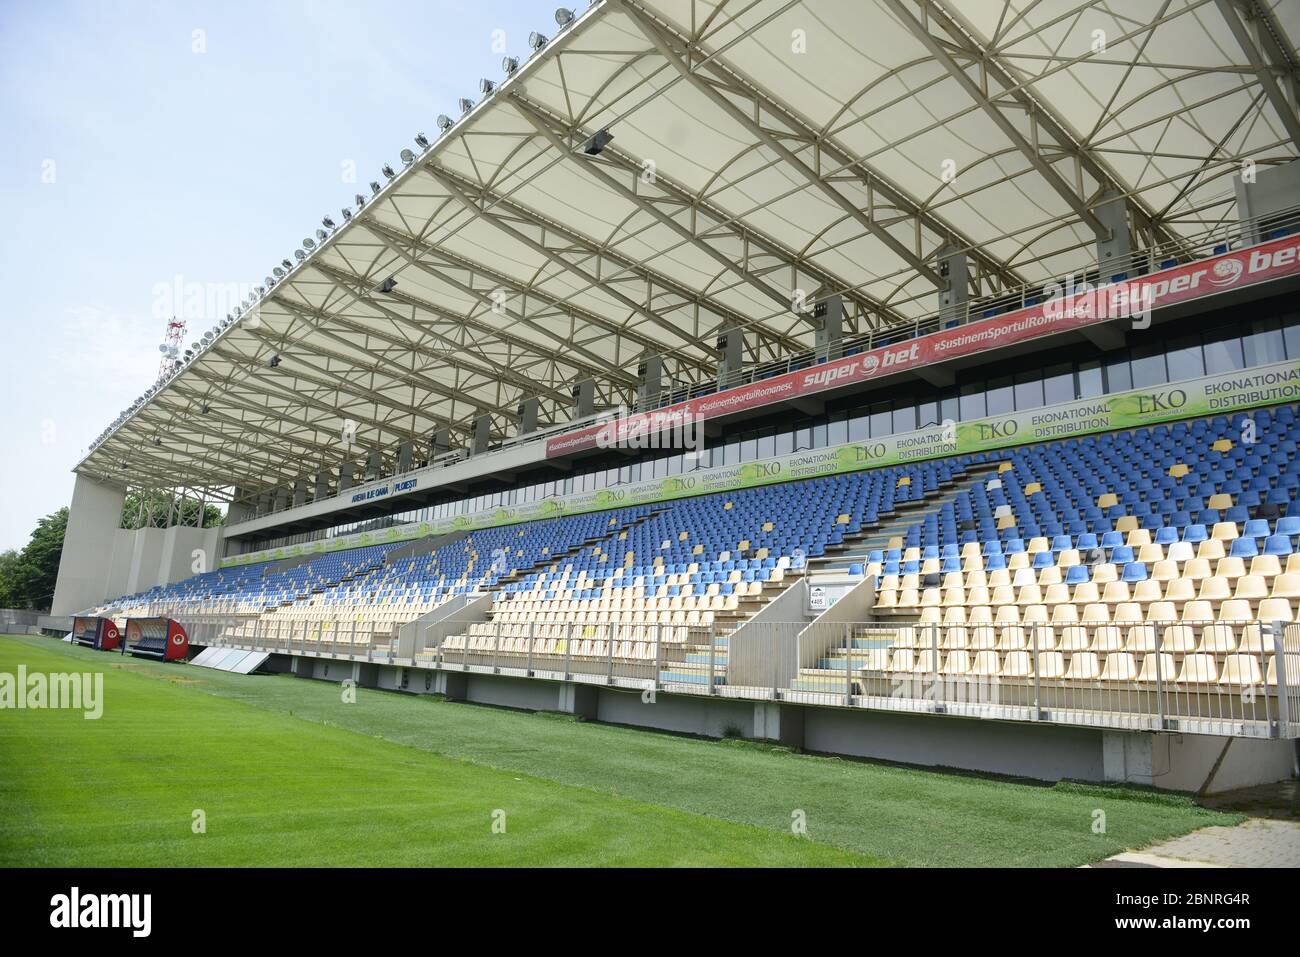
(171, 347)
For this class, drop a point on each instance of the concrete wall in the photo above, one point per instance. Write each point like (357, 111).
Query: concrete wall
(95, 514)
(101, 561)
(146, 558)
(1178, 762)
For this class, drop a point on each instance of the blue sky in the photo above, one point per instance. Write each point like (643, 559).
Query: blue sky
(128, 159)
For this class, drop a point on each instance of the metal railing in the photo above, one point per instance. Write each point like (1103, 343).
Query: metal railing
(1240, 679)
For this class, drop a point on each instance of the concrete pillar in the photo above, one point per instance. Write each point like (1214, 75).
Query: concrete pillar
(299, 491)
(829, 316)
(584, 398)
(374, 464)
(322, 485)
(365, 675)
(528, 415)
(731, 357)
(650, 385)
(481, 434)
(281, 498)
(954, 270)
(580, 700)
(439, 442)
(347, 475)
(1114, 249)
(404, 450)
(93, 520)
(782, 723)
(240, 508)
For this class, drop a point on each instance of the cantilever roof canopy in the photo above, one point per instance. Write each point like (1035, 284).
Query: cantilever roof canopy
(761, 149)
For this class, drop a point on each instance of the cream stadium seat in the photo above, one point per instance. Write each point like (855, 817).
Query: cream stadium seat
(1107, 639)
(1019, 664)
(1240, 670)
(1083, 667)
(1119, 666)
(1155, 668)
(1197, 669)
(1217, 639)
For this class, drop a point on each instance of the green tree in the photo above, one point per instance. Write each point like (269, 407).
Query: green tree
(10, 579)
(27, 578)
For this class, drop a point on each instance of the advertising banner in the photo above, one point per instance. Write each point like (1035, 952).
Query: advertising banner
(1076, 310)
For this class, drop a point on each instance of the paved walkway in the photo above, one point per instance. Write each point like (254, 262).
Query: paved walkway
(1258, 842)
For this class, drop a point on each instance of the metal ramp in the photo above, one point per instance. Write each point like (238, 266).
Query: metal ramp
(234, 660)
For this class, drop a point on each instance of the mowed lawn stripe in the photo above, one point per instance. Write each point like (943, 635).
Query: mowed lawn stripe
(904, 815)
(277, 790)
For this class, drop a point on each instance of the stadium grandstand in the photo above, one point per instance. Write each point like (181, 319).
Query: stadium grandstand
(906, 379)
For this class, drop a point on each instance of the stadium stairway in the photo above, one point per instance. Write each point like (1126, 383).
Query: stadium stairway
(697, 663)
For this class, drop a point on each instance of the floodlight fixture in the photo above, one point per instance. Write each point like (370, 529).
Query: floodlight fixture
(597, 142)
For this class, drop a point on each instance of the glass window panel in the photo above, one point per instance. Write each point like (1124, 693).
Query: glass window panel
(1148, 365)
(1264, 343)
(972, 401)
(1029, 390)
(1058, 384)
(1000, 397)
(1184, 358)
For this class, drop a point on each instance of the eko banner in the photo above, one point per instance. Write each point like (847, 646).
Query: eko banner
(1243, 267)
(1211, 395)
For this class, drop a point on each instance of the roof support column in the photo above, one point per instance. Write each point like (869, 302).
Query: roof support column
(1114, 244)
(954, 268)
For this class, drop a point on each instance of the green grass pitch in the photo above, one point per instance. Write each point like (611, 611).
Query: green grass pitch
(286, 773)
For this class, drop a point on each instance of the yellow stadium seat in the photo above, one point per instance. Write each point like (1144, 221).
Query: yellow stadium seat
(1116, 592)
(1276, 609)
(1286, 586)
(1224, 531)
(1105, 573)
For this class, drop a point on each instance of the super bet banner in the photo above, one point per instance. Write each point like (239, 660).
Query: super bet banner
(1208, 396)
